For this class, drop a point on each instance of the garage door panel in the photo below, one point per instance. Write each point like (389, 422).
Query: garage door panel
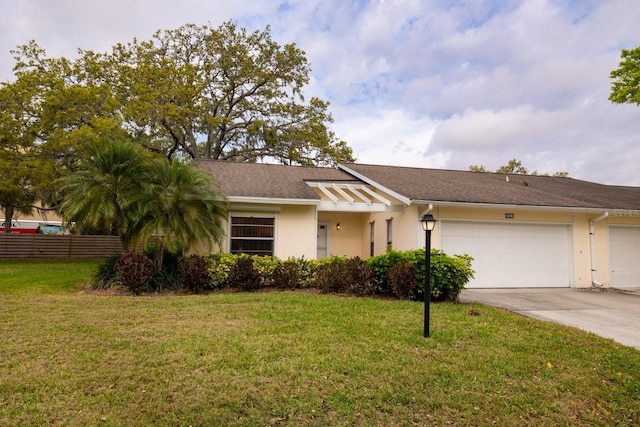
(624, 244)
(512, 255)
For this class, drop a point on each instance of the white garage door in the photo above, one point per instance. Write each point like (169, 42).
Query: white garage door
(512, 255)
(624, 244)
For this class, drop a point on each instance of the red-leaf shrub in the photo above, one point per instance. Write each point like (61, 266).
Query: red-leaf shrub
(193, 273)
(135, 271)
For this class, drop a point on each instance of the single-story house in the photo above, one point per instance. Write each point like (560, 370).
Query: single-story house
(521, 230)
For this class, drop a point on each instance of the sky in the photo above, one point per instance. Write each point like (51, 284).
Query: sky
(421, 83)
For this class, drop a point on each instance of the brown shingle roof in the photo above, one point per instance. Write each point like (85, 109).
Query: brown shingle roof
(432, 185)
(270, 181)
(493, 188)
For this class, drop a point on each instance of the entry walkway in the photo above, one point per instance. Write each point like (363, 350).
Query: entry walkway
(612, 314)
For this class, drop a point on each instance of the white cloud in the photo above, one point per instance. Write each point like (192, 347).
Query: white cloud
(390, 137)
(64, 26)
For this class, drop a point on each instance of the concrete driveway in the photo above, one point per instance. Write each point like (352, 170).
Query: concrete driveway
(609, 313)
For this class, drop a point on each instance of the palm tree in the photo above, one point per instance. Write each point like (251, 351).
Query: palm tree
(124, 190)
(183, 207)
(107, 195)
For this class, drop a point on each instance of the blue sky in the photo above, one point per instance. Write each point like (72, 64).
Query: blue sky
(427, 83)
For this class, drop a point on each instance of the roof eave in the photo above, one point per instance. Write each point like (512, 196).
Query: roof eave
(272, 200)
(375, 184)
(575, 209)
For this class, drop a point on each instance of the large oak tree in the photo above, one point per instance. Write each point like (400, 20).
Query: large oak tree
(48, 115)
(194, 92)
(26, 170)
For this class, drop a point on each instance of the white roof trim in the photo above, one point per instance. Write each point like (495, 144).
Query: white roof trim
(328, 206)
(373, 183)
(326, 192)
(377, 196)
(272, 200)
(339, 195)
(343, 193)
(357, 192)
(510, 206)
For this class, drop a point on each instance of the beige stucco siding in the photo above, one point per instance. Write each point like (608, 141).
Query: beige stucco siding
(498, 214)
(353, 238)
(601, 261)
(297, 230)
(582, 250)
(295, 234)
(405, 229)
(348, 240)
(621, 217)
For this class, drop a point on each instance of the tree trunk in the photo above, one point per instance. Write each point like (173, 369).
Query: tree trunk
(8, 218)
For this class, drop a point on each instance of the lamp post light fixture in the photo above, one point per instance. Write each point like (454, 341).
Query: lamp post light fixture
(428, 224)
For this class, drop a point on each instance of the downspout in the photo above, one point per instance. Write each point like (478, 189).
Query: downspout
(592, 234)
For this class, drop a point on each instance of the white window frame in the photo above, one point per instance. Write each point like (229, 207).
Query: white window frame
(232, 239)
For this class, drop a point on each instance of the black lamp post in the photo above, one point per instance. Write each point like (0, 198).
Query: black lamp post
(428, 224)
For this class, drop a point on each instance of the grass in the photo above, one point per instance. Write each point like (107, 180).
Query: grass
(45, 276)
(287, 358)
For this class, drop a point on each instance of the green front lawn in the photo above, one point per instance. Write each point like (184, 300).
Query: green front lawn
(294, 358)
(45, 276)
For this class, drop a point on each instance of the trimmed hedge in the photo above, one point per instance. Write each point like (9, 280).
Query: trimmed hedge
(396, 273)
(345, 275)
(449, 274)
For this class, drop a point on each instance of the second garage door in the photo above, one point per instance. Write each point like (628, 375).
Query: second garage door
(624, 244)
(510, 255)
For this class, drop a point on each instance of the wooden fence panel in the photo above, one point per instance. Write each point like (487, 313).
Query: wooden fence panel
(16, 246)
(51, 247)
(95, 246)
(56, 246)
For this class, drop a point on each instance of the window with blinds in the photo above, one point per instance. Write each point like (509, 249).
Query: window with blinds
(252, 235)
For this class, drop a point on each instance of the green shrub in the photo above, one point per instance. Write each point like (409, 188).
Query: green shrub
(380, 265)
(293, 273)
(397, 273)
(449, 274)
(106, 276)
(345, 275)
(164, 280)
(266, 266)
(329, 275)
(193, 273)
(402, 277)
(243, 275)
(165, 277)
(359, 276)
(308, 272)
(221, 266)
(135, 271)
(287, 274)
